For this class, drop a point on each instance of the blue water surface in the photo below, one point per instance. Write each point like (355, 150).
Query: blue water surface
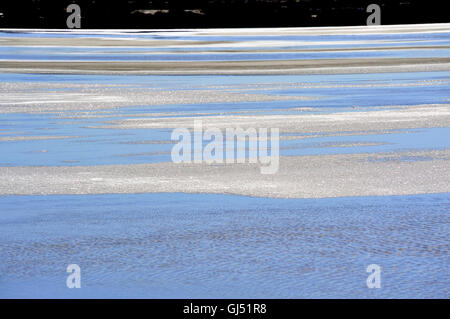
(223, 246)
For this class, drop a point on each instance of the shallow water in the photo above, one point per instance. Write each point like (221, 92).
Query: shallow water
(204, 45)
(219, 246)
(54, 55)
(86, 145)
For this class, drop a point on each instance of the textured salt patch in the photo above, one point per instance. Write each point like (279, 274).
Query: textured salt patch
(298, 177)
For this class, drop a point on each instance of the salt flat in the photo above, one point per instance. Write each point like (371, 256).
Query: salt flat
(87, 177)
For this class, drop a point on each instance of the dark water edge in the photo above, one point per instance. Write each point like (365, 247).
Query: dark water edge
(215, 13)
(224, 246)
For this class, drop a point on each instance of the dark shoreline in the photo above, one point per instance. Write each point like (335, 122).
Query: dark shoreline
(215, 13)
